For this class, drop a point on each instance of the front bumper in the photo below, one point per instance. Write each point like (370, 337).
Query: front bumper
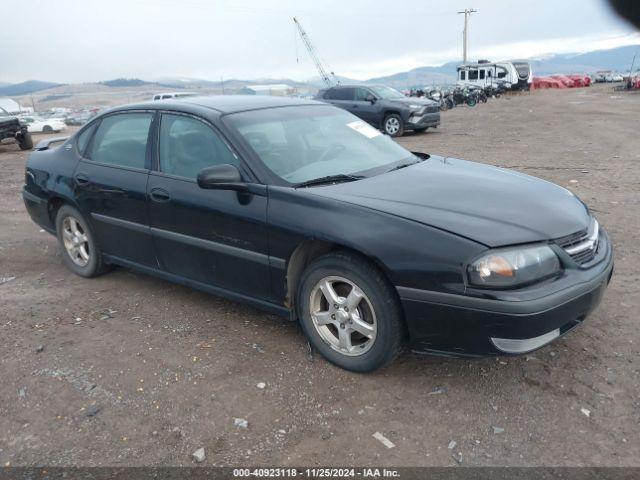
(462, 325)
(423, 121)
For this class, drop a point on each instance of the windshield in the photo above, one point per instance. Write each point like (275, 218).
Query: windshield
(299, 144)
(4, 113)
(387, 92)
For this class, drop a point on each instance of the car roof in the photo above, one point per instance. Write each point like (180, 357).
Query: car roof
(224, 103)
(352, 85)
(362, 85)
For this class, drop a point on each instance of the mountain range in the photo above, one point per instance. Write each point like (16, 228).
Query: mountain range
(616, 59)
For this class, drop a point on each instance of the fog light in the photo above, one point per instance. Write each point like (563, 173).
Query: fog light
(516, 345)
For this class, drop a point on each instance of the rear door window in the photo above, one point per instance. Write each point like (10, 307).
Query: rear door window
(343, 93)
(84, 137)
(121, 140)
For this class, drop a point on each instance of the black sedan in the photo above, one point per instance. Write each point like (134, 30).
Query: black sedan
(304, 210)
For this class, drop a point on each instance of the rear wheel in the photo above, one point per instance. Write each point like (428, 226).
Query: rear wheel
(350, 312)
(47, 129)
(79, 249)
(393, 125)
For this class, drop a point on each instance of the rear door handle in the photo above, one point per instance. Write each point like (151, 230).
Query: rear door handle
(82, 179)
(159, 195)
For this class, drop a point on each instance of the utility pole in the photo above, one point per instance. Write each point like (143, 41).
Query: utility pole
(467, 12)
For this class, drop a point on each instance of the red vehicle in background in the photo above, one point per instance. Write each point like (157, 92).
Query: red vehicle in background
(578, 80)
(568, 82)
(547, 82)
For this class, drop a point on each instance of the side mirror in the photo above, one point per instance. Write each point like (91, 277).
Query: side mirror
(370, 98)
(221, 177)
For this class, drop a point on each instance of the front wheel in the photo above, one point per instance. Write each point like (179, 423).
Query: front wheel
(393, 125)
(471, 101)
(350, 312)
(25, 142)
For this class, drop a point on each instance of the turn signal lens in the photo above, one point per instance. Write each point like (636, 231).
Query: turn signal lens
(496, 265)
(513, 267)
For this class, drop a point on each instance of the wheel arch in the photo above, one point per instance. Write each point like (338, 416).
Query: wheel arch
(390, 111)
(306, 252)
(54, 203)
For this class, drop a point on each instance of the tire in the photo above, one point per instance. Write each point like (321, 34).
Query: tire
(471, 102)
(378, 311)
(393, 125)
(47, 129)
(26, 141)
(68, 221)
(420, 130)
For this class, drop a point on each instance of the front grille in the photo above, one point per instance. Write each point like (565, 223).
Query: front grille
(581, 246)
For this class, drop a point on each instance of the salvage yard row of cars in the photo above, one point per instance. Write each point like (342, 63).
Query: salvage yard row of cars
(307, 211)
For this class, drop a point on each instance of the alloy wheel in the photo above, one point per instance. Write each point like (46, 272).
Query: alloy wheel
(75, 241)
(343, 316)
(392, 125)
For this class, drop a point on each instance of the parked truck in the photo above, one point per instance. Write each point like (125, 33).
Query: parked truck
(11, 129)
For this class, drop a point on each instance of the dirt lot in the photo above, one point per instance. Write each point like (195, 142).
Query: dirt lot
(169, 368)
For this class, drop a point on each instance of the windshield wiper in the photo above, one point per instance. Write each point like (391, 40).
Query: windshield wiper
(329, 179)
(403, 165)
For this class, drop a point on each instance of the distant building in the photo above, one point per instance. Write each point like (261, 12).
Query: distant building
(278, 90)
(9, 105)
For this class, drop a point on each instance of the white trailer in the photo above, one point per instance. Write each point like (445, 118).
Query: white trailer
(516, 74)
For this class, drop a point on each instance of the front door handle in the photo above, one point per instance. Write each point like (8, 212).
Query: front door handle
(160, 195)
(82, 179)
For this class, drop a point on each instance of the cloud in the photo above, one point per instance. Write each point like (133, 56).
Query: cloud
(91, 40)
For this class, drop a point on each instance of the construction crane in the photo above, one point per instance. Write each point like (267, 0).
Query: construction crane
(328, 78)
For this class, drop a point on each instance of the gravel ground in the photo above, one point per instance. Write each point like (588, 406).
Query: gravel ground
(127, 369)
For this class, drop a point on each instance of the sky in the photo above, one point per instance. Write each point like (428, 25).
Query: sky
(74, 41)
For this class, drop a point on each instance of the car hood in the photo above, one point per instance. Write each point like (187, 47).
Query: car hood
(490, 205)
(413, 101)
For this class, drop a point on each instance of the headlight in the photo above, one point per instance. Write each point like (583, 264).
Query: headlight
(513, 266)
